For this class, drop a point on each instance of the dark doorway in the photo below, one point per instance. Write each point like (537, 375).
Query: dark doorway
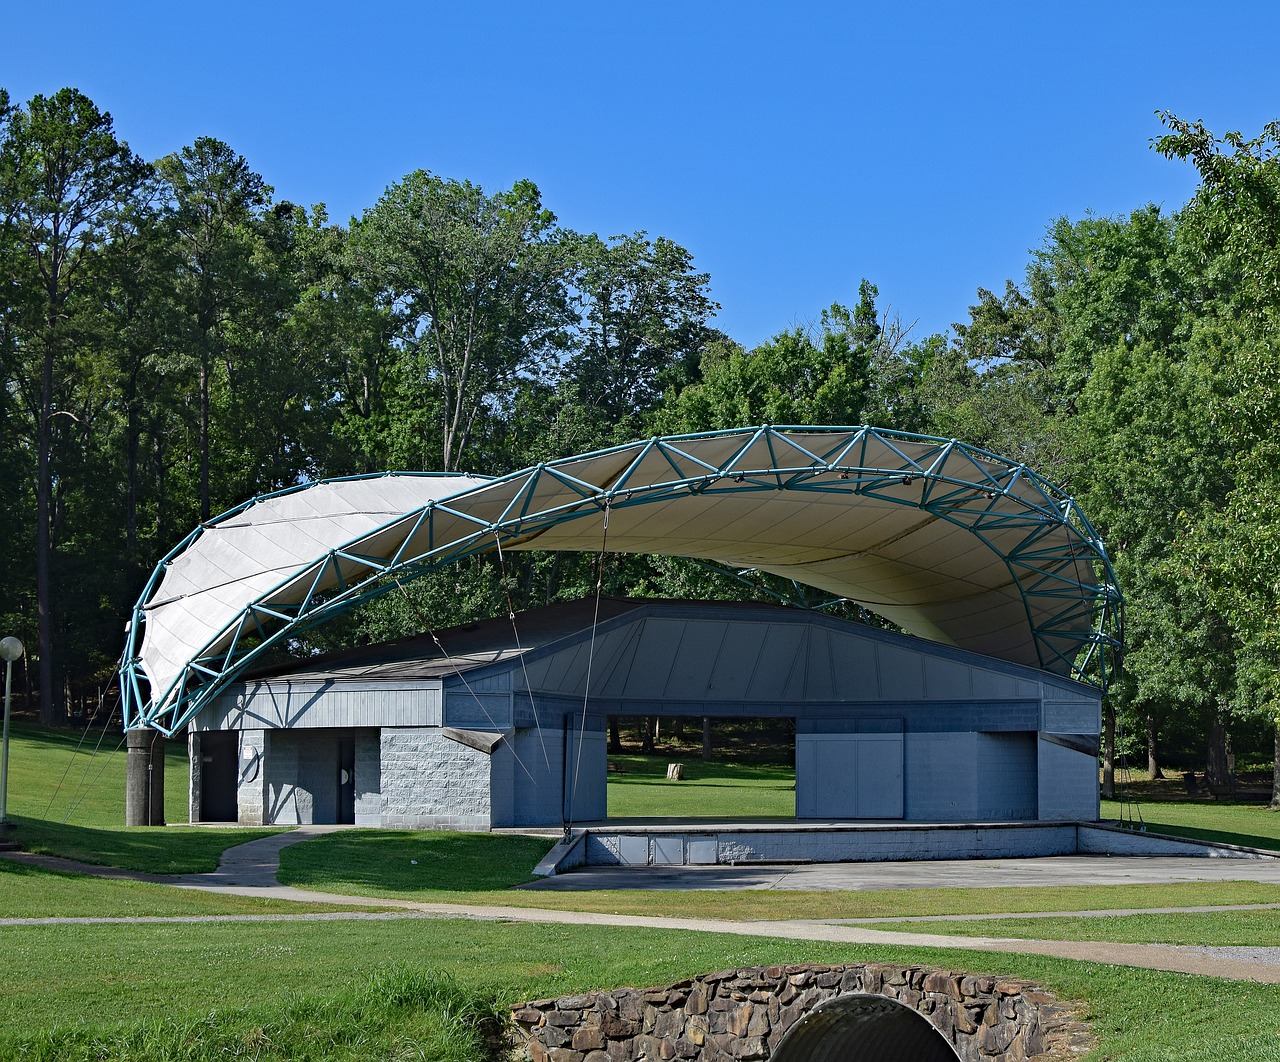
(219, 759)
(346, 781)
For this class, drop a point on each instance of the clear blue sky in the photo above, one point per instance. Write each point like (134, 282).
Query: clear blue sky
(793, 149)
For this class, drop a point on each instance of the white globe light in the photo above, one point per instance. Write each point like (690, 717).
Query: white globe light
(10, 649)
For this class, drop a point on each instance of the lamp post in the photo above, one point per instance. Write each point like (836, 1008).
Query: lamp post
(10, 650)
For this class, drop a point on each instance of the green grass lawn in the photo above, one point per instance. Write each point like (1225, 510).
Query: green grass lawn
(1230, 822)
(394, 1013)
(66, 799)
(416, 865)
(638, 788)
(78, 990)
(30, 892)
(484, 868)
(422, 988)
(77, 777)
(1220, 928)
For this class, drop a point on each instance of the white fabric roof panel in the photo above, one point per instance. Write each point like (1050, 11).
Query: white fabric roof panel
(919, 530)
(241, 558)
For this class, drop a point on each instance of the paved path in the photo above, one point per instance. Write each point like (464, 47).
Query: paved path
(249, 870)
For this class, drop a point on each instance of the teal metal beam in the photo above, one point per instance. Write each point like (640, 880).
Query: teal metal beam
(934, 480)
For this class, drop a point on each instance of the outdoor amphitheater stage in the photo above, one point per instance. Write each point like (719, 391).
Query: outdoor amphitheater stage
(672, 843)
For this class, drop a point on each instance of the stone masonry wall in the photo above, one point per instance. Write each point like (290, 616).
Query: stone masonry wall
(743, 1014)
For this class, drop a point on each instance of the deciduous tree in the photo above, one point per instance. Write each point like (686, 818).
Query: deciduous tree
(478, 286)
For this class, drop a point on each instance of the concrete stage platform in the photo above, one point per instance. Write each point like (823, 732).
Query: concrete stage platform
(667, 843)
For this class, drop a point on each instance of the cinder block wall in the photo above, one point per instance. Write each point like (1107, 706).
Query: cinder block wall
(302, 777)
(251, 791)
(430, 781)
(1006, 776)
(942, 777)
(1068, 783)
(368, 778)
(521, 800)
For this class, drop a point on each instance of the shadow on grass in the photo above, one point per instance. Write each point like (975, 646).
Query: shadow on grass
(1245, 840)
(153, 849)
(403, 862)
(781, 786)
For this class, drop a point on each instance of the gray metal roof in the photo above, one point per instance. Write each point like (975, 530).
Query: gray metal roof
(458, 649)
(640, 651)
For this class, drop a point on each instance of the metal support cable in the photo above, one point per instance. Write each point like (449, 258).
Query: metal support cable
(457, 670)
(528, 686)
(591, 653)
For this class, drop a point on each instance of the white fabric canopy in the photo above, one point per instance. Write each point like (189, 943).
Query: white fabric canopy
(241, 558)
(949, 543)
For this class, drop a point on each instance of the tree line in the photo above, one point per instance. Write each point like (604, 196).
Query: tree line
(175, 338)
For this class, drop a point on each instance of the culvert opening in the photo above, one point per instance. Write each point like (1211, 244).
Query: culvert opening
(863, 1028)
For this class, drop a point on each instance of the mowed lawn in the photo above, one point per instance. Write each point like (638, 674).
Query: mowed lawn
(1210, 928)
(291, 990)
(422, 988)
(639, 788)
(1250, 824)
(486, 869)
(66, 797)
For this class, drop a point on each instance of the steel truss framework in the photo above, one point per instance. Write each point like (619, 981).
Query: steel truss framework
(1049, 558)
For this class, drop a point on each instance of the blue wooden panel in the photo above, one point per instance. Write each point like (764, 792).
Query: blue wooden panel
(700, 645)
(470, 710)
(279, 704)
(650, 673)
(849, 776)
(901, 673)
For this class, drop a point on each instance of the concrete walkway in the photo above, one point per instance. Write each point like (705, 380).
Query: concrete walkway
(923, 874)
(249, 870)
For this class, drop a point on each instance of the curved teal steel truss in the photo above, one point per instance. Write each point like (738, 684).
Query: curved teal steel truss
(949, 541)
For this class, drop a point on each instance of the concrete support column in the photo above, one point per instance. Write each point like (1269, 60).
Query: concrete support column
(251, 790)
(144, 778)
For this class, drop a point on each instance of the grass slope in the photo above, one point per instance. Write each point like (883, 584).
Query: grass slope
(66, 797)
(1250, 824)
(31, 892)
(438, 866)
(483, 868)
(78, 776)
(421, 988)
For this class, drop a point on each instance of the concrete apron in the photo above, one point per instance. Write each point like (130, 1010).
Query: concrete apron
(673, 844)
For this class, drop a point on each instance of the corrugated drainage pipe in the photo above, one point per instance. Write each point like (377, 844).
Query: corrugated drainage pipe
(863, 1028)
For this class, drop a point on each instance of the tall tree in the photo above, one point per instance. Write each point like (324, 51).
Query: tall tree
(16, 472)
(478, 284)
(352, 339)
(63, 176)
(801, 376)
(216, 203)
(1083, 372)
(1233, 232)
(644, 320)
